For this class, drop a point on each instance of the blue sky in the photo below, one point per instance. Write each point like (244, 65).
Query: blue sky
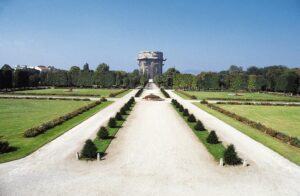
(194, 35)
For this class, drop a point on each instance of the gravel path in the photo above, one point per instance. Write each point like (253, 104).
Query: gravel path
(155, 153)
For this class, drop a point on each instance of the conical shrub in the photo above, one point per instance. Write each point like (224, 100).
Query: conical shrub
(112, 123)
(191, 118)
(212, 138)
(199, 126)
(89, 150)
(118, 116)
(102, 133)
(186, 112)
(231, 157)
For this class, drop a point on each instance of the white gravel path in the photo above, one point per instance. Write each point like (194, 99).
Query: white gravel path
(155, 153)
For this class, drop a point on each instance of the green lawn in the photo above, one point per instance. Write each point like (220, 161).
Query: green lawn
(18, 115)
(216, 150)
(285, 119)
(75, 92)
(231, 95)
(287, 151)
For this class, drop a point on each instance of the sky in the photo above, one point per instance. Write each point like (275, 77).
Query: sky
(203, 35)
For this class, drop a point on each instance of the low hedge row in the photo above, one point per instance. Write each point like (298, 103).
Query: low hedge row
(186, 94)
(45, 98)
(241, 99)
(4, 146)
(210, 140)
(273, 133)
(90, 150)
(56, 94)
(117, 93)
(165, 93)
(32, 132)
(140, 91)
(257, 103)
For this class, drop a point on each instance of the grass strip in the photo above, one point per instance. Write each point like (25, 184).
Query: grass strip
(216, 150)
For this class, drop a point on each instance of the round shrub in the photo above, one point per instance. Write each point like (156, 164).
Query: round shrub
(112, 123)
(191, 118)
(89, 150)
(199, 126)
(231, 157)
(181, 108)
(4, 146)
(102, 133)
(118, 116)
(186, 112)
(212, 138)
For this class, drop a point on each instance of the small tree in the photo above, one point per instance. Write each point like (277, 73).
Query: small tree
(191, 118)
(212, 138)
(112, 123)
(231, 157)
(118, 116)
(199, 126)
(185, 112)
(102, 133)
(89, 150)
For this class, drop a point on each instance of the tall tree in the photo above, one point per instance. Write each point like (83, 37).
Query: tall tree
(86, 67)
(7, 73)
(21, 78)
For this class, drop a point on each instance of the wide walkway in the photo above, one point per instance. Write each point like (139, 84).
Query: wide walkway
(155, 153)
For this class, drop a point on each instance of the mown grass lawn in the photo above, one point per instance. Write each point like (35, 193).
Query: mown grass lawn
(231, 95)
(18, 115)
(285, 119)
(287, 151)
(75, 91)
(216, 150)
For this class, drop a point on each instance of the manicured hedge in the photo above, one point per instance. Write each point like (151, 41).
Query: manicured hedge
(241, 99)
(231, 157)
(32, 132)
(165, 93)
(186, 94)
(89, 150)
(257, 103)
(45, 98)
(276, 134)
(140, 91)
(117, 93)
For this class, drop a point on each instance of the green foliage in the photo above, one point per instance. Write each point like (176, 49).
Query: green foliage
(212, 138)
(118, 116)
(89, 150)
(231, 157)
(112, 123)
(102, 133)
(199, 126)
(186, 112)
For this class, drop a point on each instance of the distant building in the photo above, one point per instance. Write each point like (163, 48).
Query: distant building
(43, 68)
(151, 63)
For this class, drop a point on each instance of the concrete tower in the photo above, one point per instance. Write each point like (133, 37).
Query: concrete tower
(151, 63)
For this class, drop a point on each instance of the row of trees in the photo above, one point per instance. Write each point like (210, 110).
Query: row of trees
(272, 78)
(75, 77)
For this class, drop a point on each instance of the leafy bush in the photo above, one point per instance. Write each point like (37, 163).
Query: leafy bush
(212, 138)
(231, 157)
(103, 99)
(199, 126)
(4, 146)
(118, 116)
(102, 133)
(203, 101)
(165, 93)
(186, 112)
(140, 91)
(181, 108)
(112, 123)
(191, 118)
(89, 150)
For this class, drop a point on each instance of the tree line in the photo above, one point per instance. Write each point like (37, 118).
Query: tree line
(272, 78)
(102, 77)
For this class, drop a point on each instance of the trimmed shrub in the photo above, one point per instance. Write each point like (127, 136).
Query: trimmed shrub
(103, 99)
(181, 108)
(186, 112)
(119, 116)
(231, 157)
(4, 146)
(123, 110)
(212, 138)
(165, 93)
(112, 123)
(191, 118)
(89, 150)
(102, 133)
(203, 101)
(199, 126)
